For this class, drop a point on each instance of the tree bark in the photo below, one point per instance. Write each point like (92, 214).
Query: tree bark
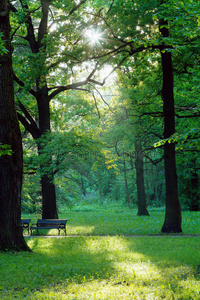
(11, 166)
(49, 207)
(139, 165)
(195, 197)
(126, 184)
(194, 189)
(172, 221)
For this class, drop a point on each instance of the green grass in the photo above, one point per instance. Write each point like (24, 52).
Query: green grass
(106, 267)
(103, 268)
(114, 219)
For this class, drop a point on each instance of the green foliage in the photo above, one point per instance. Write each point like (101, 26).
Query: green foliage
(31, 195)
(5, 150)
(3, 50)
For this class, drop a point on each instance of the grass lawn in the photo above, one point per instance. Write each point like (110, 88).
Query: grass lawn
(115, 219)
(106, 267)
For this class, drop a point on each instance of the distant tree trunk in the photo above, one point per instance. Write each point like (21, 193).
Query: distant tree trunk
(139, 165)
(195, 195)
(11, 166)
(147, 182)
(172, 221)
(195, 199)
(126, 184)
(82, 186)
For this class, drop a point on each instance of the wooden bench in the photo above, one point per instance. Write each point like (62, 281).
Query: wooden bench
(49, 224)
(25, 223)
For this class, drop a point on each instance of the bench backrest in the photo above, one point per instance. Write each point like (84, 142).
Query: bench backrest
(25, 221)
(49, 222)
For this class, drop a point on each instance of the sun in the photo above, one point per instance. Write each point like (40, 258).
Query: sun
(94, 36)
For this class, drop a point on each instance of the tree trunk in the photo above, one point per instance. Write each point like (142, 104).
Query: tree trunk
(195, 199)
(49, 207)
(83, 187)
(194, 188)
(172, 221)
(139, 165)
(126, 184)
(11, 166)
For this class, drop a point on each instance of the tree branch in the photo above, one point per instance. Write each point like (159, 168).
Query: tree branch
(77, 7)
(102, 97)
(95, 101)
(155, 161)
(22, 84)
(33, 131)
(110, 6)
(30, 29)
(195, 115)
(73, 86)
(42, 31)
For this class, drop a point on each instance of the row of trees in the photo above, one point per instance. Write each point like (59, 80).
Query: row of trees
(57, 71)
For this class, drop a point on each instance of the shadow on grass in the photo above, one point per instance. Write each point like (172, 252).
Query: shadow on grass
(53, 262)
(152, 263)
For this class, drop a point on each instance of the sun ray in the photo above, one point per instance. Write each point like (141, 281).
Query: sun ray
(94, 36)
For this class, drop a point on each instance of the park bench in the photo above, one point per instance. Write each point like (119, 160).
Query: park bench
(49, 224)
(25, 223)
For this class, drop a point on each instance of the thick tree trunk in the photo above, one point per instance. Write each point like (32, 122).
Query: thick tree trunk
(11, 166)
(172, 221)
(49, 207)
(139, 165)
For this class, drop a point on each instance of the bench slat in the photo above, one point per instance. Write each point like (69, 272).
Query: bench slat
(49, 224)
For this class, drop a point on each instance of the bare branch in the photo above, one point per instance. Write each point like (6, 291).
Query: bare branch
(102, 97)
